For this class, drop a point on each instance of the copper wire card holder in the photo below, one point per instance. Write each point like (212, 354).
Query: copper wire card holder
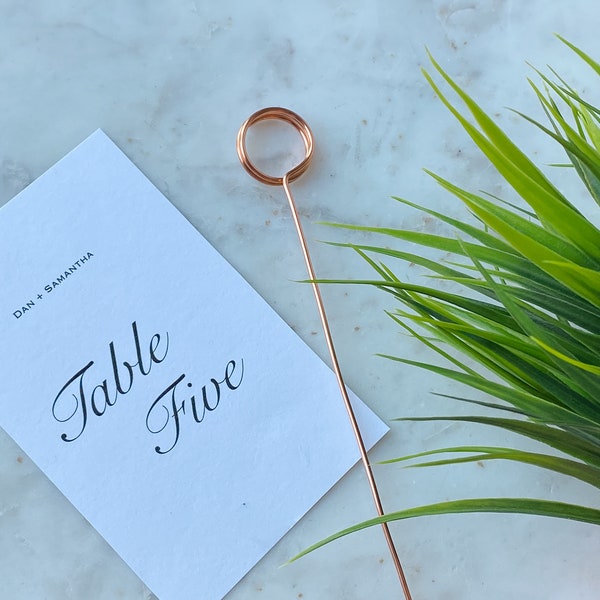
(300, 125)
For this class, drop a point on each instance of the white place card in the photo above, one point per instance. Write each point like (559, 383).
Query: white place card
(168, 402)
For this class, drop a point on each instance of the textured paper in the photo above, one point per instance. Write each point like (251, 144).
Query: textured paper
(168, 402)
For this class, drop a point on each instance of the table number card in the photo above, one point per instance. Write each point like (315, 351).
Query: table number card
(151, 383)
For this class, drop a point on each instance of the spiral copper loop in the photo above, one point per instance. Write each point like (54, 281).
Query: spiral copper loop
(286, 115)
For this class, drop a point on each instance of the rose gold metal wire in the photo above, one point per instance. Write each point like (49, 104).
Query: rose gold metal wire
(284, 114)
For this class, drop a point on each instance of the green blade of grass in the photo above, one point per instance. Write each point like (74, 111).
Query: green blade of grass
(570, 441)
(531, 506)
(531, 405)
(578, 470)
(588, 59)
(549, 204)
(560, 246)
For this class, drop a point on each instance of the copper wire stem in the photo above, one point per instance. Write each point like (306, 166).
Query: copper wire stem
(302, 127)
(340, 379)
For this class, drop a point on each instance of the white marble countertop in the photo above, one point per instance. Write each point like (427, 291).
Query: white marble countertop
(171, 82)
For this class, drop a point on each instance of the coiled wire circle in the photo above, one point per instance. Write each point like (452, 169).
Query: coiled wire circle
(280, 114)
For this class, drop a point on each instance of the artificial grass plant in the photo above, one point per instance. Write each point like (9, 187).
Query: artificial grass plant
(525, 330)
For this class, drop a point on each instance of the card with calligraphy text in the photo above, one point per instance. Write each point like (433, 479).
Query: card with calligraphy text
(157, 390)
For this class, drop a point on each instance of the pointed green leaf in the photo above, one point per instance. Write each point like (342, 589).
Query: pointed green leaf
(531, 506)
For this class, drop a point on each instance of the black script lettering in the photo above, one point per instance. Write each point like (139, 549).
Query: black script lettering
(168, 413)
(115, 366)
(153, 347)
(166, 409)
(129, 367)
(103, 389)
(60, 407)
(229, 371)
(74, 407)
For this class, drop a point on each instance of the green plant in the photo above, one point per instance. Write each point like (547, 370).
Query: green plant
(529, 315)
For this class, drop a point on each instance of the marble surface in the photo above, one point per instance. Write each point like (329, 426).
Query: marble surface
(171, 82)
